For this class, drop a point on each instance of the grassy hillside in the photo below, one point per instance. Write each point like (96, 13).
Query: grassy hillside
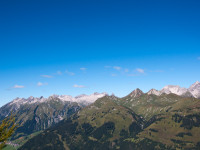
(179, 128)
(149, 105)
(102, 125)
(143, 122)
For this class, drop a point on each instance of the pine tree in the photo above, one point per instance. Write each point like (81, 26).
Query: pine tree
(7, 128)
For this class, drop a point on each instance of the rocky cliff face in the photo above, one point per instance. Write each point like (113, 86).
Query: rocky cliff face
(195, 89)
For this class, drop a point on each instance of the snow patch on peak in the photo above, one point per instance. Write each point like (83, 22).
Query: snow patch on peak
(175, 89)
(79, 96)
(88, 99)
(66, 98)
(81, 99)
(192, 91)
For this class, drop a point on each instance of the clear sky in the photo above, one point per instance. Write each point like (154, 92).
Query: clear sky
(84, 46)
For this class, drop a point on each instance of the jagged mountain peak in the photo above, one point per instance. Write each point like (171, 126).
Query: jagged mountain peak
(174, 89)
(196, 84)
(41, 97)
(113, 97)
(195, 89)
(53, 96)
(154, 92)
(96, 93)
(136, 93)
(81, 99)
(192, 91)
(31, 97)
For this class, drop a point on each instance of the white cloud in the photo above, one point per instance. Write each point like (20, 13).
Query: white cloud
(83, 69)
(46, 76)
(41, 84)
(198, 58)
(117, 68)
(78, 86)
(18, 86)
(140, 70)
(69, 73)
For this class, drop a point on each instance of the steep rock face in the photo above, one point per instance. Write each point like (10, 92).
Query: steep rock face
(154, 92)
(174, 89)
(37, 117)
(16, 104)
(187, 94)
(136, 93)
(195, 89)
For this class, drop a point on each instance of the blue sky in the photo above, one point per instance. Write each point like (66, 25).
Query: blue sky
(74, 47)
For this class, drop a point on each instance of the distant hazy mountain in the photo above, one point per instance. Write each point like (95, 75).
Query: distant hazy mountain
(81, 99)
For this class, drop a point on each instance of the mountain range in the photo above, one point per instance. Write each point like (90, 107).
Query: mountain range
(37, 114)
(165, 119)
(192, 91)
